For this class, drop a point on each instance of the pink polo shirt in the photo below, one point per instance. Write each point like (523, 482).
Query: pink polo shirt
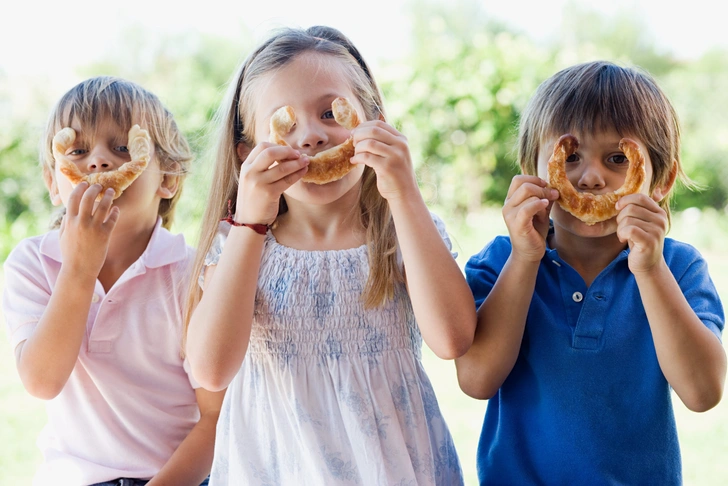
(129, 401)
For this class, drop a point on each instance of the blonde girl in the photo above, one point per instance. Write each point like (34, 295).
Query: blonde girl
(94, 308)
(314, 323)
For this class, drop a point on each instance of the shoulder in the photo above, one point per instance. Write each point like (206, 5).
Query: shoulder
(28, 253)
(495, 252)
(680, 256)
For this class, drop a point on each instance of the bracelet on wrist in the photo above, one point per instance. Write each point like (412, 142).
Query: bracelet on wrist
(261, 229)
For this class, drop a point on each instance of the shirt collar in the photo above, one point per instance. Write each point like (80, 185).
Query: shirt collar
(552, 253)
(163, 249)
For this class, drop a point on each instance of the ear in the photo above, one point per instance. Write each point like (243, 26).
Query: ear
(170, 182)
(50, 183)
(242, 150)
(659, 193)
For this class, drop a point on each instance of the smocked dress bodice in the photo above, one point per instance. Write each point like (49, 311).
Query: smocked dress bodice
(329, 392)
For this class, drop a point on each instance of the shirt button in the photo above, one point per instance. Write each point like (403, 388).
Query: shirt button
(577, 296)
(95, 298)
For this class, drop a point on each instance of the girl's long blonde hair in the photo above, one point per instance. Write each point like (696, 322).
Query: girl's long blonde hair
(125, 103)
(235, 122)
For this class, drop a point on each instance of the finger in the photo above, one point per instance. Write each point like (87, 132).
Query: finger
(375, 129)
(287, 181)
(381, 148)
(637, 199)
(102, 209)
(88, 200)
(284, 169)
(530, 209)
(528, 190)
(74, 199)
(520, 180)
(112, 218)
(266, 154)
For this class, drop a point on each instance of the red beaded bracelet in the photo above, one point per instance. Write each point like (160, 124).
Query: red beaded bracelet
(261, 229)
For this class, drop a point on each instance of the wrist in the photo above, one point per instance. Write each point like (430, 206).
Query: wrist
(259, 228)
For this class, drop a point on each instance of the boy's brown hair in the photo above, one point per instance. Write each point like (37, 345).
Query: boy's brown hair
(600, 95)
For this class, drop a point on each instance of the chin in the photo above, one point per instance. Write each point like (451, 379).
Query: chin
(578, 227)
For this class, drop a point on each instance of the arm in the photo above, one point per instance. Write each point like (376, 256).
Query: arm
(690, 355)
(47, 358)
(442, 303)
(191, 462)
(441, 300)
(219, 328)
(502, 316)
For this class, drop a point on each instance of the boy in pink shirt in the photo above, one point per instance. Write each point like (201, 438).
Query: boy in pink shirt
(94, 308)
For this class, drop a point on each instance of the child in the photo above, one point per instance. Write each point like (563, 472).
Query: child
(312, 312)
(94, 309)
(584, 329)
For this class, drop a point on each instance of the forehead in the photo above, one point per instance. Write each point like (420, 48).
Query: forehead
(305, 77)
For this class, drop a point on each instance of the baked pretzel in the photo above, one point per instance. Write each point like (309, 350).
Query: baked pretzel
(139, 145)
(592, 208)
(331, 164)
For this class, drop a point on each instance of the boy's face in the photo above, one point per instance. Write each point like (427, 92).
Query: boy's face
(598, 166)
(105, 150)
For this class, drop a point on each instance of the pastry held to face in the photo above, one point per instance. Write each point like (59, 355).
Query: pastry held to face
(329, 165)
(587, 207)
(139, 145)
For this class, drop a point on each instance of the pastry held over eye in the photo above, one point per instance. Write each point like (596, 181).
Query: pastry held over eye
(329, 165)
(140, 148)
(592, 208)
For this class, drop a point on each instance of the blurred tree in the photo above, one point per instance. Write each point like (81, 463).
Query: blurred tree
(458, 100)
(459, 97)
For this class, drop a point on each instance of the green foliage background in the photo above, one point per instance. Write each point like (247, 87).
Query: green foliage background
(457, 98)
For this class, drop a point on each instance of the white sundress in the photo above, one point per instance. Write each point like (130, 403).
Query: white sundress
(329, 393)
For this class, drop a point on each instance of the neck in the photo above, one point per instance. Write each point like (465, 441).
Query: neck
(128, 241)
(588, 256)
(334, 226)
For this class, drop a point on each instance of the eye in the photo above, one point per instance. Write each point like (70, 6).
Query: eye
(572, 158)
(122, 148)
(328, 115)
(618, 159)
(77, 151)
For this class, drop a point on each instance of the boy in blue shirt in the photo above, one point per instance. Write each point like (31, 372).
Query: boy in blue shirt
(584, 329)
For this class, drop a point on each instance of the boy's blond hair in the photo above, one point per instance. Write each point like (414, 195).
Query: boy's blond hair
(125, 103)
(600, 95)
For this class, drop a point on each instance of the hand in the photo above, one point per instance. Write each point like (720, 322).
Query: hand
(642, 223)
(260, 186)
(86, 230)
(526, 214)
(381, 147)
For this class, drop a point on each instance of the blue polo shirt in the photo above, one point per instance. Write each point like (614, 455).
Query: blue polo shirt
(586, 402)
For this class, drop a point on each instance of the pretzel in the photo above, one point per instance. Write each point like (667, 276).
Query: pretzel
(139, 146)
(331, 164)
(592, 208)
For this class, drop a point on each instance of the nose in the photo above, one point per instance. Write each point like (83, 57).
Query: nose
(591, 176)
(311, 134)
(99, 160)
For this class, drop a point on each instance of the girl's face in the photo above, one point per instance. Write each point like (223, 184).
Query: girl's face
(309, 83)
(598, 167)
(105, 149)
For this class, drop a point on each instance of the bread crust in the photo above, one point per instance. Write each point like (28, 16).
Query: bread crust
(329, 165)
(139, 146)
(592, 208)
